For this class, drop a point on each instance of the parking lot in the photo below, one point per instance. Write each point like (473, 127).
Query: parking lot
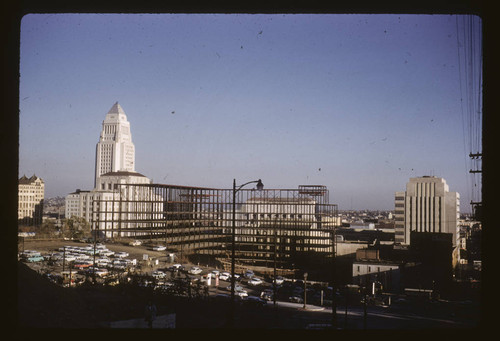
(72, 263)
(197, 293)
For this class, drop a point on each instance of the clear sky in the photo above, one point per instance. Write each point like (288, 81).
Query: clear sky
(359, 103)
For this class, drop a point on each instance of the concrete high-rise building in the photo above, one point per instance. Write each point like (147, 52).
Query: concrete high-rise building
(115, 151)
(427, 205)
(114, 167)
(31, 193)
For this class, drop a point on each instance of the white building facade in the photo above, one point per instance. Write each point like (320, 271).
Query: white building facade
(115, 150)
(102, 207)
(31, 192)
(427, 205)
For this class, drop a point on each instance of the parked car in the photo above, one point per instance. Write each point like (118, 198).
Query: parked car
(176, 267)
(34, 259)
(254, 301)
(279, 280)
(296, 299)
(195, 270)
(158, 274)
(241, 293)
(267, 295)
(249, 274)
(254, 281)
(101, 272)
(107, 253)
(225, 276)
(159, 248)
(69, 258)
(237, 287)
(102, 262)
(122, 254)
(83, 264)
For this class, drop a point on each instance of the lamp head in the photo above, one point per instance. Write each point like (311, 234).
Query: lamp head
(260, 185)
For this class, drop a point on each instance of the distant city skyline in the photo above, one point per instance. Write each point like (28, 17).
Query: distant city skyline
(358, 103)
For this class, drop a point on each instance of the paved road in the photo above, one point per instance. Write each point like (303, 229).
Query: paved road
(380, 317)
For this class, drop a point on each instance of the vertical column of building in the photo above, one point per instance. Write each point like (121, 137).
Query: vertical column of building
(431, 206)
(400, 216)
(427, 208)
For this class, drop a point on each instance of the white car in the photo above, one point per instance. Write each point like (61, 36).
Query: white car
(195, 270)
(102, 262)
(136, 243)
(101, 272)
(107, 253)
(158, 274)
(121, 254)
(159, 248)
(69, 258)
(254, 281)
(83, 257)
(225, 276)
(241, 293)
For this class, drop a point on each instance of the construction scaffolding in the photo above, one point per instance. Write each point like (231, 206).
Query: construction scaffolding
(273, 227)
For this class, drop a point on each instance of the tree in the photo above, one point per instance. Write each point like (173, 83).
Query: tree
(76, 228)
(47, 229)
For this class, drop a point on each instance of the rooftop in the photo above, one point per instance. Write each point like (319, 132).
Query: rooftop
(26, 181)
(122, 173)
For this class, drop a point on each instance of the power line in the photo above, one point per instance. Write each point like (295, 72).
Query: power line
(470, 78)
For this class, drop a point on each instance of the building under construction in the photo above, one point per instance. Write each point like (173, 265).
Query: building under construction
(272, 227)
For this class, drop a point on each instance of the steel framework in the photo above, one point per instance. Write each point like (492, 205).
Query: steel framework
(274, 227)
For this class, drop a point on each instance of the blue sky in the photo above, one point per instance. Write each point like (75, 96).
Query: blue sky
(359, 103)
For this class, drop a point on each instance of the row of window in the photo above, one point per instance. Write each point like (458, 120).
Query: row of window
(28, 204)
(111, 186)
(369, 268)
(275, 215)
(30, 197)
(37, 189)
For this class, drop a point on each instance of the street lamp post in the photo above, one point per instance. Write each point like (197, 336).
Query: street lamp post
(260, 186)
(305, 289)
(334, 279)
(274, 272)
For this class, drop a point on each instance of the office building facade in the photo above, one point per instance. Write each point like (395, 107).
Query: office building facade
(427, 205)
(31, 192)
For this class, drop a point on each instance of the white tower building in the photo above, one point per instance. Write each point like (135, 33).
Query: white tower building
(114, 167)
(115, 150)
(427, 205)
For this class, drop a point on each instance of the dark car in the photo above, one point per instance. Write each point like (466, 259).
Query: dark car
(176, 267)
(296, 299)
(254, 301)
(267, 295)
(223, 298)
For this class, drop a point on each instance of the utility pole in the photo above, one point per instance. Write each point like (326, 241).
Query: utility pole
(334, 280)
